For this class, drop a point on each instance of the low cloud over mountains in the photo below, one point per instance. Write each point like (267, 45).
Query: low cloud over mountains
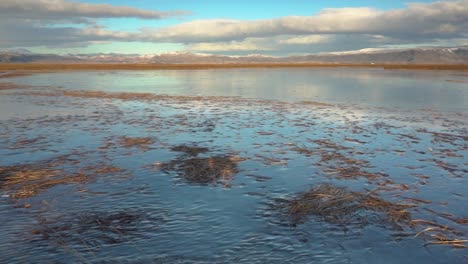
(456, 55)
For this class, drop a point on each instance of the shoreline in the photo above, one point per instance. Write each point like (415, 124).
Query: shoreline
(113, 66)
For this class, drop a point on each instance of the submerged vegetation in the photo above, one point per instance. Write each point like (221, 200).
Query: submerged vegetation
(210, 170)
(92, 230)
(338, 205)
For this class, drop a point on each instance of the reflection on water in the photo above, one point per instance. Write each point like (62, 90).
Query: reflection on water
(125, 178)
(376, 87)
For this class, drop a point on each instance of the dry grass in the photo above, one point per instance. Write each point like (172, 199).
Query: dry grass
(439, 234)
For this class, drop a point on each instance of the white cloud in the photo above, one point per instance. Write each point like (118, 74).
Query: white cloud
(48, 9)
(302, 40)
(247, 45)
(223, 46)
(443, 19)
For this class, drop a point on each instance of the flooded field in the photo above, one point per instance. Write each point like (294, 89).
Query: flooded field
(234, 166)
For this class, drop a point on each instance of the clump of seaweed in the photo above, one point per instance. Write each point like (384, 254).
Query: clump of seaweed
(28, 180)
(338, 205)
(140, 142)
(48, 180)
(190, 150)
(205, 170)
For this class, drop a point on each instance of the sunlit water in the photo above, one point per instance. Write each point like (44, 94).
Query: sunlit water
(410, 126)
(374, 87)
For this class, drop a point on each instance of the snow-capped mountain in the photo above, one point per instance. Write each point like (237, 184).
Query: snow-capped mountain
(454, 55)
(427, 55)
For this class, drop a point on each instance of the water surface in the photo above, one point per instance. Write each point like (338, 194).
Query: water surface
(89, 197)
(374, 87)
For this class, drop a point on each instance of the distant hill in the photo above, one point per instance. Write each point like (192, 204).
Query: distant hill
(456, 55)
(453, 55)
(14, 57)
(18, 51)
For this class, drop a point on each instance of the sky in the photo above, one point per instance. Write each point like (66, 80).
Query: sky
(277, 28)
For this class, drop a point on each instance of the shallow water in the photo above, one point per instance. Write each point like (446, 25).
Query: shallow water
(139, 212)
(371, 87)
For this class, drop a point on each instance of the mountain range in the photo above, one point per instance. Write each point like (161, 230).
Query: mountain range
(432, 55)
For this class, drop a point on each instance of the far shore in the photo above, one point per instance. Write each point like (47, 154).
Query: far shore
(123, 66)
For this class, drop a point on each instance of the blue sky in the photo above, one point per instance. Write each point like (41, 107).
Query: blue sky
(240, 9)
(229, 27)
(254, 9)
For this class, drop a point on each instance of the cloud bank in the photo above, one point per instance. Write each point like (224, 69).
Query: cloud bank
(53, 9)
(30, 23)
